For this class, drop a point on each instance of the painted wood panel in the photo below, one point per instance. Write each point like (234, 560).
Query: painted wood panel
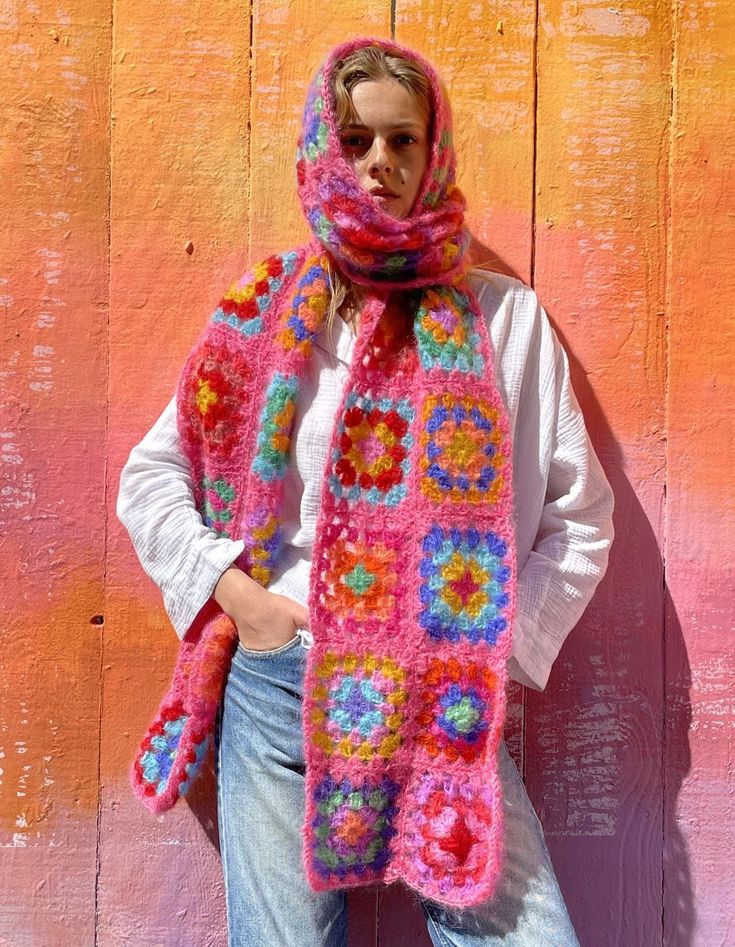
(593, 739)
(146, 159)
(699, 709)
(54, 171)
(178, 231)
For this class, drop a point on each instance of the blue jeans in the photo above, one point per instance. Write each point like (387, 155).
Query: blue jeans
(261, 802)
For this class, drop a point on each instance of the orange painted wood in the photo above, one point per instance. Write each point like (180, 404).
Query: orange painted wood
(54, 117)
(593, 739)
(180, 106)
(699, 792)
(146, 158)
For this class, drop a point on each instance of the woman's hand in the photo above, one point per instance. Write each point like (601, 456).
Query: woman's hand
(264, 620)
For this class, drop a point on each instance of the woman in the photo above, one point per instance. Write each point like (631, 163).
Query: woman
(368, 483)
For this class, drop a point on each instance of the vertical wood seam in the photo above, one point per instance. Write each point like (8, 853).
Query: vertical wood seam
(105, 473)
(248, 153)
(668, 294)
(532, 277)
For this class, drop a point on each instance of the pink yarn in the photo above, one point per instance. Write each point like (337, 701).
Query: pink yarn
(413, 576)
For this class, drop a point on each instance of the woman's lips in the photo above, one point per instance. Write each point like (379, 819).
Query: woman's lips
(384, 198)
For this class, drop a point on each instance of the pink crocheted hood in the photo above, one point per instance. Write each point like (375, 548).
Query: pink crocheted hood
(413, 575)
(371, 246)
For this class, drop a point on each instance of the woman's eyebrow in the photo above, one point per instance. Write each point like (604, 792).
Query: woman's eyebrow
(408, 123)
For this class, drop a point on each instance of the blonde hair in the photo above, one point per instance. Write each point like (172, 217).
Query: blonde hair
(365, 64)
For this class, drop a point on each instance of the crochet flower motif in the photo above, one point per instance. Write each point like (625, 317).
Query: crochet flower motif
(360, 579)
(218, 497)
(353, 826)
(276, 423)
(460, 443)
(445, 329)
(442, 177)
(245, 302)
(315, 130)
(457, 699)
(303, 320)
(212, 396)
(370, 461)
(447, 830)
(159, 752)
(464, 589)
(358, 706)
(263, 539)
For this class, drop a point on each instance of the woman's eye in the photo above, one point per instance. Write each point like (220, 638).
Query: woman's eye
(406, 139)
(353, 141)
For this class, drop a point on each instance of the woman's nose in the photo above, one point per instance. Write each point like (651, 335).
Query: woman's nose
(380, 159)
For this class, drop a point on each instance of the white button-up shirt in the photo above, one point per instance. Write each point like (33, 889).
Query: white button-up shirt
(562, 501)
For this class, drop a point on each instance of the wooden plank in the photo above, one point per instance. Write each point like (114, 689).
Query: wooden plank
(179, 175)
(593, 747)
(700, 654)
(485, 54)
(53, 296)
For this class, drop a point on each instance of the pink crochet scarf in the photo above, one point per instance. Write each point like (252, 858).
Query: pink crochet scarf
(412, 585)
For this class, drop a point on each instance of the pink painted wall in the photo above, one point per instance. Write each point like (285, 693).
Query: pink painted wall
(597, 153)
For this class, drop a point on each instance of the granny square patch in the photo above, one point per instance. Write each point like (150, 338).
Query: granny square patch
(446, 333)
(218, 497)
(358, 706)
(302, 321)
(371, 459)
(465, 587)
(276, 423)
(263, 539)
(358, 573)
(211, 398)
(462, 451)
(160, 749)
(457, 705)
(246, 301)
(448, 831)
(353, 826)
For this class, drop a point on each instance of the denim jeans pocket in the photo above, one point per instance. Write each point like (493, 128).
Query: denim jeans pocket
(252, 653)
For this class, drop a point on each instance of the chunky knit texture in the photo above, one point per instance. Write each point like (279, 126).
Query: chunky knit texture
(412, 587)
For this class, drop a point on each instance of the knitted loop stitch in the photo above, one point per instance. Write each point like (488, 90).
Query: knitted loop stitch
(413, 573)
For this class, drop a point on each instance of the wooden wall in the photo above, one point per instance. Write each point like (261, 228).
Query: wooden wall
(146, 157)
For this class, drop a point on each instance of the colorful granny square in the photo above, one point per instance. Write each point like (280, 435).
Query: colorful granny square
(245, 302)
(353, 826)
(359, 575)
(218, 497)
(358, 706)
(448, 830)
(446, 333)
(160, 749)
(461, 450)
(212, 396)
(276, 423)
(263, 539)
(441, 181)
(370, 461)
(457, 703)
(315, 129)
(465, 585)
(303, 320)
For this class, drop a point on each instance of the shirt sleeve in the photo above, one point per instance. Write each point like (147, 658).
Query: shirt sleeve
(156, 506)
(570, 554)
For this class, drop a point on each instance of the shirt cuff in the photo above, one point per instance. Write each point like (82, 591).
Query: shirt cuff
(184, 599)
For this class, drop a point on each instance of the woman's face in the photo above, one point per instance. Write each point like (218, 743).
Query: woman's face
(389, 147)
